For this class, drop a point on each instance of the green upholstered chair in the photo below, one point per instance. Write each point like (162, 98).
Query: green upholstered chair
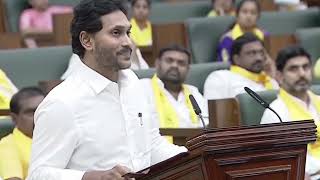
(315, 88)
(310, 40)
(25, 67)
(6, 127)
(251, 111)
(14, 8)
(197, 75)
(277, 23)
(178, 12)
(204, 33)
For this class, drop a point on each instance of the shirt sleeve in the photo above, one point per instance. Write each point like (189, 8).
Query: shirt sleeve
(55, 138)
(161, 149)
(25, 20)
(10, 165)
(216, 87)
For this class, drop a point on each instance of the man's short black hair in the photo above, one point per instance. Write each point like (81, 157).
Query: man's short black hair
(241, 41)
(24, 93)
(87, 17)
(290, 52)
(175, 47)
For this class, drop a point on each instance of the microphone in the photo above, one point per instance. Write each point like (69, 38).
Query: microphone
(197, 109)
(263, 103)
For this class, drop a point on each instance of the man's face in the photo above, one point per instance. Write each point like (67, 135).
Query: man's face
(25, 118)
(112, 45)
(252, 57)
(248, 15)
(173, 66)
(296, 76)
(141, 10)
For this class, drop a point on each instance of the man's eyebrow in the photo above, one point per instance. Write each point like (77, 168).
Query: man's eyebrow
(121, 27)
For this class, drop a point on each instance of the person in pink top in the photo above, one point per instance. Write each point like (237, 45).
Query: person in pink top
(38, 19)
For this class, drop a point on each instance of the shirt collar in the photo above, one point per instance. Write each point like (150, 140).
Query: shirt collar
(98, 82)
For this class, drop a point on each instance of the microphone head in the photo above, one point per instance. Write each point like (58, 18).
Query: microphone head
(195, 105)
(256, 97)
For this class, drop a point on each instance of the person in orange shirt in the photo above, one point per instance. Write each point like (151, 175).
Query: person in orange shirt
(15, 148)
(141, 31)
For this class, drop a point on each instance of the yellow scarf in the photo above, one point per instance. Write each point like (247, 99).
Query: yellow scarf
(141, 37)
(237, 32)
(261, 78)
(167, 115)
(298, 112)
(23, 144)
(4, 99)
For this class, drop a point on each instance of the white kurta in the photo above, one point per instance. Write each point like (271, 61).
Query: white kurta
(91, 123)
(312, 164)
(179, 104)
(226, 84)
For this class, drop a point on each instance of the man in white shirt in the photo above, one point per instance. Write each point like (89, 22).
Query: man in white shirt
(295, 100)
(97, 124)
(248, 61)
(168, 93)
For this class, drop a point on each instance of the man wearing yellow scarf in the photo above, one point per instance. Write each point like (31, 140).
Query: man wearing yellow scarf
(295, 101)
(248, 60)
(168, 92)
(16, 147)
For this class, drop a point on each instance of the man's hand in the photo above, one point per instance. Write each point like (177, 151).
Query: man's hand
(115, 173)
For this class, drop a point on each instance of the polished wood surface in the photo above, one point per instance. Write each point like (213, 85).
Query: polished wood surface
(312, 2)
(10, 41)
(2, 18)
(180, 135)
(264, 152)
(147, 54)
(42, 39)
(4, 112)
(61, 28)
(223, 113)
(268, 5)
(165, 34)
(274, 43)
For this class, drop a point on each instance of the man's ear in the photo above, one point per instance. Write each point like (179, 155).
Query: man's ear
(86, 40)
(14, 118)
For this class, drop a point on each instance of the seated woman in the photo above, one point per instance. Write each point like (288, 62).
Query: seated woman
(141, 32)
(38, 19)
(222, 8)
(247, 15)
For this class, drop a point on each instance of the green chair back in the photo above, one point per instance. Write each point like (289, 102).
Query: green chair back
(251, 111)
(310, 40)
(178, 12)
(6, 127)
(26, 67)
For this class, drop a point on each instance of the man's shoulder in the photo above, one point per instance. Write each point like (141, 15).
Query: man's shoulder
(221, 74)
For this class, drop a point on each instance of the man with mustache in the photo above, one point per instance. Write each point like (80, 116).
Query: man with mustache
(97, 124)
(248, 61)
(295, 101)
(167, 91)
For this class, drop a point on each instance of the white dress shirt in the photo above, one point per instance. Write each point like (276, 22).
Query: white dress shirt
(178, 104)
(312, 164)
(224, 84)
(91, 123)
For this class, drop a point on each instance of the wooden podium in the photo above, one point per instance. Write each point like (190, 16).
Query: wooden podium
(265, 152)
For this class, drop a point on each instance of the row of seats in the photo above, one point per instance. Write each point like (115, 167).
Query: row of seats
(160, 12)
(204, 33)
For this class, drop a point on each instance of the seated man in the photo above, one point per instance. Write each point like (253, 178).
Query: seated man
(295, 100)
(15, 148)
(248, 61)
(168, 92)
